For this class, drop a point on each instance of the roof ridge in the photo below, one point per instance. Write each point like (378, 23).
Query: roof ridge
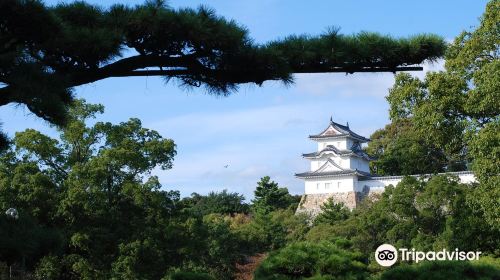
(326, 149)
(326, 163)
(344, 130)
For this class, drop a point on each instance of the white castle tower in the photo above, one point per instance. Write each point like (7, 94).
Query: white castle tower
(340, 169)
(338, 162)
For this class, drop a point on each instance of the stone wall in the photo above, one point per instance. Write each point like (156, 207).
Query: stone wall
(311, 203)
(369, 189)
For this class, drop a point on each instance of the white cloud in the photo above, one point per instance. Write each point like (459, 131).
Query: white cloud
(252, 142)
(429, 67)
(358, 84)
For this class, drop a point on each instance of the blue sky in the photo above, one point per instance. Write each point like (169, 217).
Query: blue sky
(262, 131)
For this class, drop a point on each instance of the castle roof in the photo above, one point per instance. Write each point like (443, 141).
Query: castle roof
(347, 172)
(336, 130)
(356, 151)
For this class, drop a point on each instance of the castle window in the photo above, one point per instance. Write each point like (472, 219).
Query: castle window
(338, 185)
(327, 186)
(317, 186)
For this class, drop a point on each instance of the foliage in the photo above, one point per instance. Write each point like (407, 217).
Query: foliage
(185, 275)
(485, 149)
(426, 215)
(269, 196)
(91, 210)
(223, 249)
(443, 270)
(23, 238)
(270, 231)
(416, 214)
(307, 260)
(332, 212)
(216, 202)
(458, 109)
(399, 150)
(322, 231)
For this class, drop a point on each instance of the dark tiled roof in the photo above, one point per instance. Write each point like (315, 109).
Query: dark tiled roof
(367, 176)
(355, 151)
(328, 148)
(344, 130)
(332, 173)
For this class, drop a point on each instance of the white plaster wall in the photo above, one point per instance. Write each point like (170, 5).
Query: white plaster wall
(467, 178)
(360, 164)
(321, 145)
(349, 143)
(316, 163)
(364, 165)
(346, 185)
(340, 144)
(343, 162)
(353, 163)
(379, 184)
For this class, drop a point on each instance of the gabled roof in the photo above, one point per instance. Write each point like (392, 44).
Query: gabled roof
(333, 174)
(326, 164)
(356, 151)
(336, 130)
(329, 148)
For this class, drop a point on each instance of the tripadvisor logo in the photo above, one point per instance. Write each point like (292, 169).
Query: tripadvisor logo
(387, 255)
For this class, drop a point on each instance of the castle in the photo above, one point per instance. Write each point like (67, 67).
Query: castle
(340, 169)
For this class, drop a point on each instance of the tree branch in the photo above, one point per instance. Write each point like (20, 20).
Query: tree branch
(125, 66)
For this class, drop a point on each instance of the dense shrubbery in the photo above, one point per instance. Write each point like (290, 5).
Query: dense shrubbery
(90, 210)
(424, 215)
(312, 260)
(332, 212)
(444, 270)
(216, 202)
(450, 120)
(189, 276)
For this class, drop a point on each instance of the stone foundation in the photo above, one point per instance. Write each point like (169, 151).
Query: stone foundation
(311, 203)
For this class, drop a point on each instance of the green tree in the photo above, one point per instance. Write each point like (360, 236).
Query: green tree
(444, 270)
(185, 275)
(426, 215)
(307, 260)
(47, 51)
(332, 212)
(23, 241)
(216, 202)
(399, 150)
(269, 196)
(458, 109)
(91, 187)
(485, 149)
